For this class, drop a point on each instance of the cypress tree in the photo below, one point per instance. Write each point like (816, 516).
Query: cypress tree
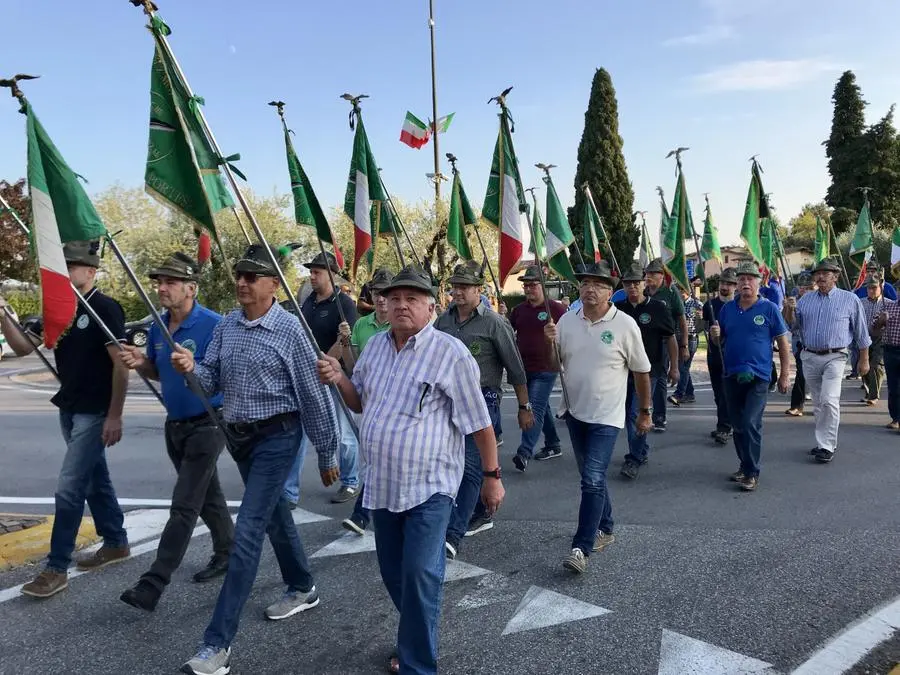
(879, 160)
(602, 165)
(843, 151)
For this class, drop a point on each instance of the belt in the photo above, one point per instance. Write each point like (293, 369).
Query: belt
(203, 417)
(823, 352)
(285, 420)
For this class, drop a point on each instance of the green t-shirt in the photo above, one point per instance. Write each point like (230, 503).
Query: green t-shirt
(673, 302)
(364, 329)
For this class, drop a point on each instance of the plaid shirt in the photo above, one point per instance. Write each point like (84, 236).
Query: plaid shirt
(890, 334)
(692, 311)
(267, 367)
(419, 403)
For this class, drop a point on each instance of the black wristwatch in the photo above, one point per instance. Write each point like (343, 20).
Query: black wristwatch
(494, 473)
(526, 407)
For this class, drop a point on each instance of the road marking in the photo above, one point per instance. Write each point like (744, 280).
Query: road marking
(347, 544)
(457, 569)
(849, 646)
(123, 501)
(541, 608)
(679, 654)
(300, 516)
(492, 588)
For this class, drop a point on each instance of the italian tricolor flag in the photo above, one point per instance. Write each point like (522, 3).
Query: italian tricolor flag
(414, 133)
(363, 188)
(504, 204)
(895, 252)
(61, 212)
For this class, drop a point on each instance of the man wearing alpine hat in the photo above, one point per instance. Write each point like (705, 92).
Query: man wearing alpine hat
(193, 440)
(600, 346)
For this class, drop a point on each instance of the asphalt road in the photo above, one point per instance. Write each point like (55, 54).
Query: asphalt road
(701, 579)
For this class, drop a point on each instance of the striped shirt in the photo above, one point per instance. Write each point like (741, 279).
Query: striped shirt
(266, 367)
(831, 320)
(418, 404)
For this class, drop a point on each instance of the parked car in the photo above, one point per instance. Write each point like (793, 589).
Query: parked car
(137, 332)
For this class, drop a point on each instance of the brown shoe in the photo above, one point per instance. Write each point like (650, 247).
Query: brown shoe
(794, 412)
(102, 557)
(737, 476)
(749, 484)
(893, 426)
(602, 540)
(46, 583)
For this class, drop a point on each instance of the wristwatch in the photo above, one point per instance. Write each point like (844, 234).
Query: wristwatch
(646, 411)
(493, 473)
(526, 407)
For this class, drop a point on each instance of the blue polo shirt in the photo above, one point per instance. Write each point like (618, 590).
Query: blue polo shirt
(195, 334)
(773, 292)
(888, 291)
(748, 336)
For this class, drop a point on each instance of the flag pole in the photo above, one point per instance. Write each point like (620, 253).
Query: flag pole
(486, 261)
(84, 303)
(279, 106)
(390, 204)
(24, 333)
(191, 378)
(149, 9)
(840, 255)
(612, 254)
(434, 112)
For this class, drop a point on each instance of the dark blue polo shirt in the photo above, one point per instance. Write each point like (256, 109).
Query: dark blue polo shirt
(324, 317)
(748, 336)
(194, 334)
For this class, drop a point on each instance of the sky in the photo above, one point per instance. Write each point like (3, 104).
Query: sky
(726, 78)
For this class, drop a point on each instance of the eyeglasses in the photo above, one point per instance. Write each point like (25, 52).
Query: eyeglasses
(632, 282)
(249, 277)
(530, 284)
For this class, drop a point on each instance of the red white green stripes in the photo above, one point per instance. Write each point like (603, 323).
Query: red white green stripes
(414, 133)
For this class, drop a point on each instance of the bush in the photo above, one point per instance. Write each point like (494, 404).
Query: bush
(25, 302)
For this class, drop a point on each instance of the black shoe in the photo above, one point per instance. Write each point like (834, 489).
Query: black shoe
(355, 524)
(520, 462)
(143, 595)
(630, 470)
(659, 427)
(547, 453)
(216, 567)
(721, 437)
(479, 524)
(824, 456)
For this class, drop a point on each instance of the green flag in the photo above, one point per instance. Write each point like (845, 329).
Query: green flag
(592, 238)
(461, 215)
(862, 243)
(363, 188)
(823, 248)
(710, 249)
(895, 252)
(307, 210)
(755, 210)
(666, 231)
(182, 169)
(767, 244)
(558, 236)
(537, 246)
(679, 218)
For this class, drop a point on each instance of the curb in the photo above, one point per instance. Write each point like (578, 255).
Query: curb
(32, 544)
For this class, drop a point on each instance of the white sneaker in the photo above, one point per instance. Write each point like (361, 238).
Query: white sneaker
(576, 561)
(292, 602)
(209, 661)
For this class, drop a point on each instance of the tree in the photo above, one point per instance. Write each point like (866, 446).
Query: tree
(16, 261)
(843, 151)
(802, 227)
(879, 150)
(602, 165)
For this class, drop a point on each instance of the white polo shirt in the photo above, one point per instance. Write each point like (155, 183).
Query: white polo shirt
(597, 357)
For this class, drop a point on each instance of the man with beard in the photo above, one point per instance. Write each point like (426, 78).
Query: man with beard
(711, 311)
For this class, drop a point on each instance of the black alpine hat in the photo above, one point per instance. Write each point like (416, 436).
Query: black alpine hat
(177, 266)
(412, 276)
(85, 253)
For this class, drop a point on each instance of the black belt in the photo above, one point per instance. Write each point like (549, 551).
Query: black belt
(823, 352)
(203, 417)
(287, 420)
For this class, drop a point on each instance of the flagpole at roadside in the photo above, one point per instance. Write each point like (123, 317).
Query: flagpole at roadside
(149, 9)
(612, 254)
(84, 303)
(485, 260)
(434, 112)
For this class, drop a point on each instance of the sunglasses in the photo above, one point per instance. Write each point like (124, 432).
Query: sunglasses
(249, 277)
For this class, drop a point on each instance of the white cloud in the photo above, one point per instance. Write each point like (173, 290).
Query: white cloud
(709, 35)
(761, 75)
(232, 49)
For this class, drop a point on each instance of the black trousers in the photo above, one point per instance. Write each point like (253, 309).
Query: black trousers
(194, 448)
(716, 378)
(798, 393)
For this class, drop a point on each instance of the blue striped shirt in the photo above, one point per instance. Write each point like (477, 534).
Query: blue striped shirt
(418, 404)
(266, 367)
(831, 321)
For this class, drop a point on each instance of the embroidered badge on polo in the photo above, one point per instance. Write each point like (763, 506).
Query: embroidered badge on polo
(644, 318)
(606, 337)
(759, 319)
(475, 348)
(83, 321)
(190, 345)
(542, 316)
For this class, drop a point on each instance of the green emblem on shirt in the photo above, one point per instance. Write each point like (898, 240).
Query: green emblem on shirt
(606, 337)
(475, 348)
(190, 345)
(83, 321)
(759, 319)
(542, 316)
(644, 318)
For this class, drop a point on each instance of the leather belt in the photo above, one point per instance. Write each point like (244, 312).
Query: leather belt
(203, 417)
(287, 420)
(823, 352)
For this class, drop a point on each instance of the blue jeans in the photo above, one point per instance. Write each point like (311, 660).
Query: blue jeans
(746, 404)
(349, 461)
(638, 446)
(659, 391)
(84, 476)
(892, 374)
(410, 550)
(540, 386)
(468, 503)
(685, 381)
(717, 380)
(854, 360)
(263, 511)
(593, 446)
